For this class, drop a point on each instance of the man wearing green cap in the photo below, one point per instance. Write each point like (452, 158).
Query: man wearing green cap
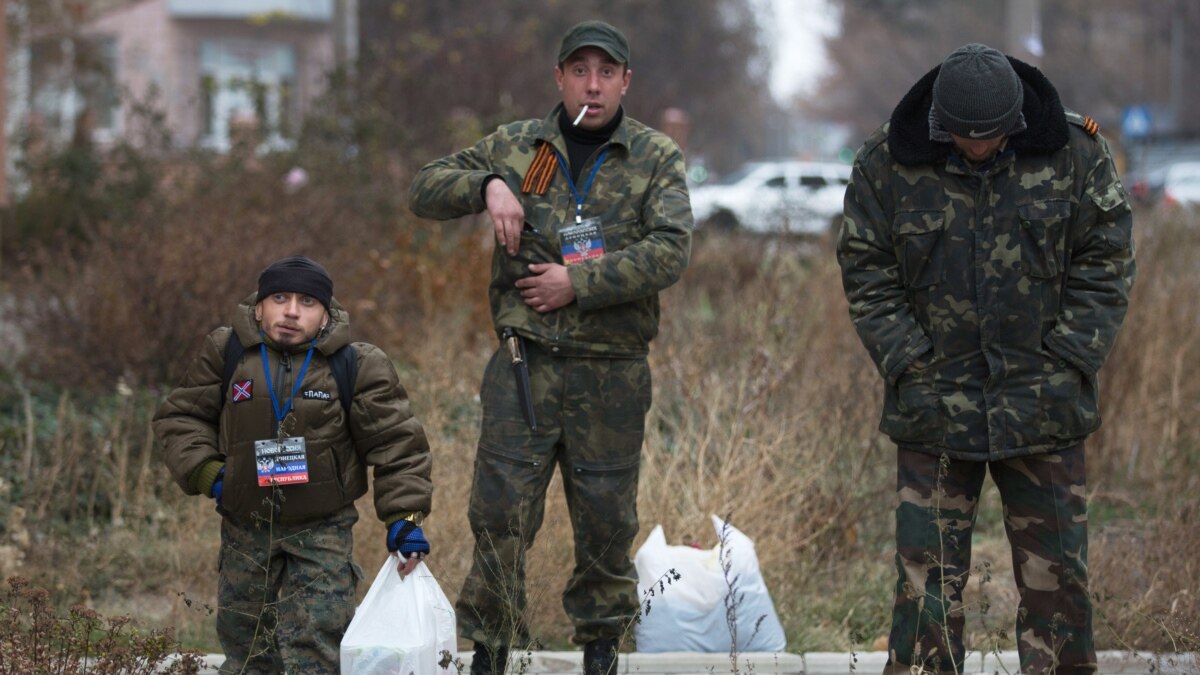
(592, 219)
(987, 255)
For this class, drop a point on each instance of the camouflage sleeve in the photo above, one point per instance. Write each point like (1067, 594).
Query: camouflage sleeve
(871, 278)
(186, 423)
(652, 263)
(1101, 271)
(451, 187)
(389, 438)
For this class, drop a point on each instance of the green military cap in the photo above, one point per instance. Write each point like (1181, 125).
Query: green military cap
(595, 34)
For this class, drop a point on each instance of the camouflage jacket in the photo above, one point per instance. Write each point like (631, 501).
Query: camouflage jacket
(196, 429)
(640, 196)
(987, 297)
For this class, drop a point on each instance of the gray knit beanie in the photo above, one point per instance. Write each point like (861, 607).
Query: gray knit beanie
(977, 94)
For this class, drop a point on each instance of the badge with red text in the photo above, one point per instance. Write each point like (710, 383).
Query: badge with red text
(582, 241)
(283, 463)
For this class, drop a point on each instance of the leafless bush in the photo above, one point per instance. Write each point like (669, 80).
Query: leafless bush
(764, 403)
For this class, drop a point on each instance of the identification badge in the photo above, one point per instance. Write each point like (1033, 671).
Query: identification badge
(582, 241)
(283, 463)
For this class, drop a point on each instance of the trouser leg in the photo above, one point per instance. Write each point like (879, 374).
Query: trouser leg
(1045, 515)
(317, 595)
(247, 588)
(603, 428)
(513, 467)
(935, 515)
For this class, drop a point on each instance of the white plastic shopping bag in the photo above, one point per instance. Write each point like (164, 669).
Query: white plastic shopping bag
(402, 626)
(689, 614)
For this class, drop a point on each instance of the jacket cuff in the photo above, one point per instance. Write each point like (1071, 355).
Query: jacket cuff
(204, 476)
(415, 517)
(924, 346)
(578, 274)
(483, 186)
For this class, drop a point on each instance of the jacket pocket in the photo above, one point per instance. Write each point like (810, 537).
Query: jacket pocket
(919, 247)
(619, 235)
(535, 248)
(912, 410)
(1042, 226)
(1067, 401)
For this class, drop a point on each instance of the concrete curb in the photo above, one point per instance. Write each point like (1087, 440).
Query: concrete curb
(808, 663)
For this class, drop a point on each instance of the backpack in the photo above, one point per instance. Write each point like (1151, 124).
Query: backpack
(343, 363)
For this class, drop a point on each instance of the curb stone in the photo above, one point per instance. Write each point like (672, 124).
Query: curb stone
(808, 663)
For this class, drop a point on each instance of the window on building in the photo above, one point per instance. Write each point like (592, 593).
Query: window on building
(73, 86)
(246, 86)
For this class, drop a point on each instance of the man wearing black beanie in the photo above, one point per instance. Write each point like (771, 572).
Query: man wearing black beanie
(987, 257)
(277, 420)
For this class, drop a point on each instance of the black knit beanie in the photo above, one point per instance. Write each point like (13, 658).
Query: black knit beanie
(296, 274)
(977, 94)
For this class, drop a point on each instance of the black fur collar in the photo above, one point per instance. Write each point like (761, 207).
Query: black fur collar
(908, 135)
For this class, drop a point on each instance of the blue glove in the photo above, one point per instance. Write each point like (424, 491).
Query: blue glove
(405, 537)
(217, 485)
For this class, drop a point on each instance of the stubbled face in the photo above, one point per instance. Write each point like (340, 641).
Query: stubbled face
(977, 150)
(590, 77)
(290, 319)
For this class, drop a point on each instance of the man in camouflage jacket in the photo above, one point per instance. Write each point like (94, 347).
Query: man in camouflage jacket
(290, 521)
(986, 254)
(592, 220)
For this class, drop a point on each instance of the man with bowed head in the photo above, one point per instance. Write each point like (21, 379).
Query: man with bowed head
(592, 219)
(277, 419)
(987, 255)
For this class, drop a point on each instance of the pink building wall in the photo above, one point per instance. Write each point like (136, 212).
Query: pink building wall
(155, 50)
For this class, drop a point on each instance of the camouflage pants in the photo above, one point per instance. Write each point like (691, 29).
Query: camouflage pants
(1045, 517)
(590, 423)
(285, 594)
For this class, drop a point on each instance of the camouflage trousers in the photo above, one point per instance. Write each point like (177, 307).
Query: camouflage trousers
(1045, 517)
(590, 424)
(286, 594)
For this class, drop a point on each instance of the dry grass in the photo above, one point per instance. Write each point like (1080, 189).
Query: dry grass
(765, 408)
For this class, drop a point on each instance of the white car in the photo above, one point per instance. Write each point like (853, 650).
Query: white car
(1181, 184)
(784, 196)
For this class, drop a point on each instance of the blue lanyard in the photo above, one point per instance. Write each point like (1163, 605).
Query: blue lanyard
(279, 415)
(579, 197)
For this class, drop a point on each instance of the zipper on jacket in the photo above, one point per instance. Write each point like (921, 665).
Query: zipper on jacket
(283, 385)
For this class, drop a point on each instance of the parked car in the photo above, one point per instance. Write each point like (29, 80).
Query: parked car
(1181, 185)
(1174, 185)
(777, 196)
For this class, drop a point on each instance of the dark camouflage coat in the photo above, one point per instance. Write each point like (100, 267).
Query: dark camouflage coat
(639, 194)
(196, 429)
(1006, 285)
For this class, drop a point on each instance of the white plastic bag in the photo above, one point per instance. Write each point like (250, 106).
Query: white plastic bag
(401, 627)
(689, 614)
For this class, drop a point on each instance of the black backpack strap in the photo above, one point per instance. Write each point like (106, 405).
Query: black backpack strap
(344, 364)
(233, 354)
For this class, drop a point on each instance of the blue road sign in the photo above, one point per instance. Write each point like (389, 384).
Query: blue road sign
(1135, 122)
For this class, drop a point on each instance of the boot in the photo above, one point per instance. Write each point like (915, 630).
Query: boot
(600, 657)
(488, 660)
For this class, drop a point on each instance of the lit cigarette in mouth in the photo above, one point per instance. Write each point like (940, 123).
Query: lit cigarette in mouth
(580, 117)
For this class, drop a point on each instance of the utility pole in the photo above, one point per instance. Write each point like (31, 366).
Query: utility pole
(3, 104)
(1177, 69)
(1023, 30)
(3, 123)
(345, 33)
